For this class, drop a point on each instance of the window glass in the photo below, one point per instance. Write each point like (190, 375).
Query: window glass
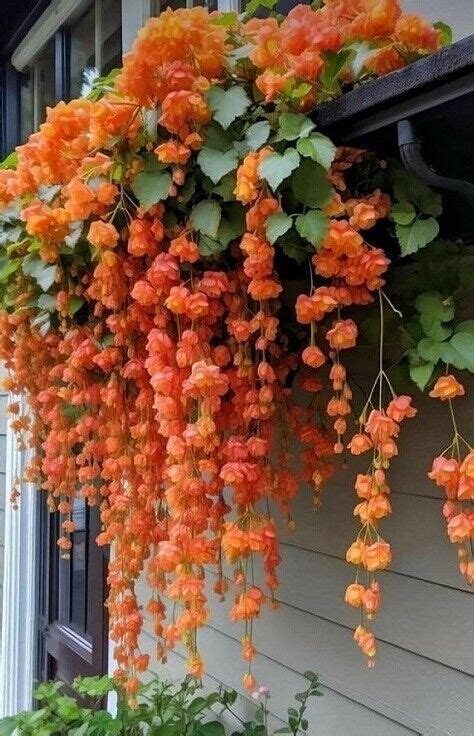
(37, 90)
(109, 29)
(78, 566)
(82, 34)
(26, 104)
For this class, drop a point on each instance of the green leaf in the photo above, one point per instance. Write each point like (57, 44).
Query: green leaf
(169, 729)
(257, 135)
(465, 327)
(227, 19)
(46, 302)
(217, 138)
(206, 217)
(216, 164)
(197, 705)
(417, 235)
(277, 225)
(403, 213)
(409, 188)
(210, 246)
(225, 188)
(433, 328)
(334, 63)
(43, 273)
(310, 675)
(313, 226)
(95, 686)
(232, 224)
(253, 5)
(293, 125)
(294, 247)
(300, 91)
(8, 267)
(8, 726)
(432, 304)
(430, 350)
(311, 185)
(152, 184)
(318, 147)
(229, 104)
(446, 32)
(75, 303)
(10, 234)
(214, 728)
(361, 51)
(10, 162)
(187, 191)
(293, 724)
(463, 343)
(276, 167)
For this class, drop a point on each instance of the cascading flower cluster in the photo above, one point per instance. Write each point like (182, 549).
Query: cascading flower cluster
(290, 55)
(454, 472)
(147, 232)
(370, 552)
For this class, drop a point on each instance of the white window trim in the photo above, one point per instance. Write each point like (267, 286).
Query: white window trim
(228, 5)
(18, 653)
(45, 27)
(136, 12)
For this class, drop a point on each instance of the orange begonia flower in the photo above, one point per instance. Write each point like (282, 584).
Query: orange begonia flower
(447, 387)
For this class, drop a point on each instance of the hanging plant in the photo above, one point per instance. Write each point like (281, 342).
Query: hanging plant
(149, 232)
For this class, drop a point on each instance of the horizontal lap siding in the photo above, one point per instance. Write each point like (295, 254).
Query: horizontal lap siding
(333, 714)
(423, 681)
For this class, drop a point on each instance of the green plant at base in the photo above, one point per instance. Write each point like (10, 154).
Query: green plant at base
(164, 709)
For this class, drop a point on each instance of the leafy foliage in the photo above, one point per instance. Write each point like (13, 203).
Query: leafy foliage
(228, 105)
(163, 709)
(414, 211)
(278, 167)
(145, 234)
(216, 164)
(152, 184)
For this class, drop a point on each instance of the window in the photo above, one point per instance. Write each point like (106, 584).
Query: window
(37, 90)
(109, 34)
(91, 38)
(95, 41)
(82, 49)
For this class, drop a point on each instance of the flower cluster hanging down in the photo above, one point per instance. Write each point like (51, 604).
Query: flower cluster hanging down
(148, 231)
(453, 471)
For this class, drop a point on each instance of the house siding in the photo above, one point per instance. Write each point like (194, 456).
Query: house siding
(423, 682)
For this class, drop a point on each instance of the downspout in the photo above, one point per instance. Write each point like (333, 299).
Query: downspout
(409, 146)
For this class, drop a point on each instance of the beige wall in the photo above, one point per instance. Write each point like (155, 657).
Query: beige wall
(423, 680)
(458, 13)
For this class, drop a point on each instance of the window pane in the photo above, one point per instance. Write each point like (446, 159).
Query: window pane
(110, 30)
(37, 91)
(78, 569)
(26, 104)
(44, 82)
(82, 49)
